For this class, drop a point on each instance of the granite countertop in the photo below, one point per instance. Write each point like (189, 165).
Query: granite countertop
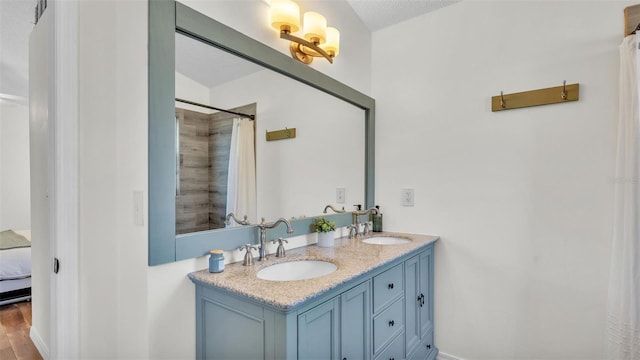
(352, 256)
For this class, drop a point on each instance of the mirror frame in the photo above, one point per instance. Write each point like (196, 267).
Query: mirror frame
(166, 17)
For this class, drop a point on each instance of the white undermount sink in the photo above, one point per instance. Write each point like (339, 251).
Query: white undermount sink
(385, 240)
(297, 270)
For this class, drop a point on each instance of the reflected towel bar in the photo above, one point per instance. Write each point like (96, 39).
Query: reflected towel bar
(281, 134)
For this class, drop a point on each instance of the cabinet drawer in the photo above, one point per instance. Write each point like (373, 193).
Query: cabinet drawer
(387, 287)
(388, 324)
(395, 350)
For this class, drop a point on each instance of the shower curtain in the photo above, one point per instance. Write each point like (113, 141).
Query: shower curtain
(241, 184)
(623, 310)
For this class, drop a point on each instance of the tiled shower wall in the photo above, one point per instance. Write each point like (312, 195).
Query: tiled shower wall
(220, 128)
(204, 165)
(192, 201)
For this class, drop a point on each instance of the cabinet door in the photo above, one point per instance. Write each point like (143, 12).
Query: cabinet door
(231, 332)
(425, 308)
(355, 308)
(419, 304)
(319, 331)
(412, 303)
(426, 350)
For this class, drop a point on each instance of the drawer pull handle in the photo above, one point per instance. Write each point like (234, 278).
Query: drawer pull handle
(391, 323)
(392, 358)
(421, 300)
(390, 286)
(428, 346)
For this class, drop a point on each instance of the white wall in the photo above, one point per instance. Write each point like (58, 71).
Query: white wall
(112, 165)
(99, 173)
(15, 209)
(521, 198)
(171, 295)
(127, 309)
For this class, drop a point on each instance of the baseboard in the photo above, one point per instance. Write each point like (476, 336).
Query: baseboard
(444, 356)
(38, 343)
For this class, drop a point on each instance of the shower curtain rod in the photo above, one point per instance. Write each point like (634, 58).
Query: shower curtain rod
(252, 117)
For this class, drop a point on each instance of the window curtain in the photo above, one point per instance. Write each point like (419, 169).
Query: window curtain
(241, 183)
(623, 309)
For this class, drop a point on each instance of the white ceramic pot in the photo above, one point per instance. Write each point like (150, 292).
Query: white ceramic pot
(326, 239)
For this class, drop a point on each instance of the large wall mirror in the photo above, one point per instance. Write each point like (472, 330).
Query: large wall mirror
(215, 66)
(294, 177)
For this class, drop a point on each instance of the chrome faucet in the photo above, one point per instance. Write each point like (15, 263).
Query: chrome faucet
(263, 226)
(280, 252)
(356, 221)
(248, 257)
(366, 231)
(233, 216)
(353, 231)
(334, 209)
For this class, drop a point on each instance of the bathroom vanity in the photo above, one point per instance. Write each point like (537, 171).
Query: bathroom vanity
(377, 304)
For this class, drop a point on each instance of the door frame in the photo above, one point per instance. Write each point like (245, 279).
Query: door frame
(64, 286)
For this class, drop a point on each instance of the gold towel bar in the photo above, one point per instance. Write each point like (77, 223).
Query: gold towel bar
(552, 95)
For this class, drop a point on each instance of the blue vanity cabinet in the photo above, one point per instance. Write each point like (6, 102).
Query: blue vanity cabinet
(419, 306)
(386, 313)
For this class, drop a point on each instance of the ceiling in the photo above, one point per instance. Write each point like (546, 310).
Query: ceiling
(17, 18)
(378, 14)
(194, 59)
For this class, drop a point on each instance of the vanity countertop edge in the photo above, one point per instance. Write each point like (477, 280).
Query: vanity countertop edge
(353, 258)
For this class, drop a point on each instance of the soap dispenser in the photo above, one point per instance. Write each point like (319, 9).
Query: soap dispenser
(377, 220)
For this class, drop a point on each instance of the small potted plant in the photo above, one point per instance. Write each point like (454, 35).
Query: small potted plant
(326, 230)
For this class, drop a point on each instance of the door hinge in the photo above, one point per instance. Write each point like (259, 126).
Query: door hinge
(56, 265)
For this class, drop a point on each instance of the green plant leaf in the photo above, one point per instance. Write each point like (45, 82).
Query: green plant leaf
(323, 225)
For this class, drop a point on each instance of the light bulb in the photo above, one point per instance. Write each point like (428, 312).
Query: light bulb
(285, 15)
(332, 46)
(315, 27)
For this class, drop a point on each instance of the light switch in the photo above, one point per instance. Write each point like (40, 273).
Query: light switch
(340, 195)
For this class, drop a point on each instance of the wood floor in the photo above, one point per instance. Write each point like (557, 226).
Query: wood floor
(15, 322)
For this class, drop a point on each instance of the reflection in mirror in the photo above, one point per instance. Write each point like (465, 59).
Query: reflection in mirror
(291, 174)
(216, 148)
(294, 177)
(216, 168)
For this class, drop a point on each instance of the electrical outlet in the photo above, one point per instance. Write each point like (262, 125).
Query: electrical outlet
(340, 195)
(407, 197)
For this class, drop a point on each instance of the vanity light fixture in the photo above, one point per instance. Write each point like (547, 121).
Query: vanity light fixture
(319, 40)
